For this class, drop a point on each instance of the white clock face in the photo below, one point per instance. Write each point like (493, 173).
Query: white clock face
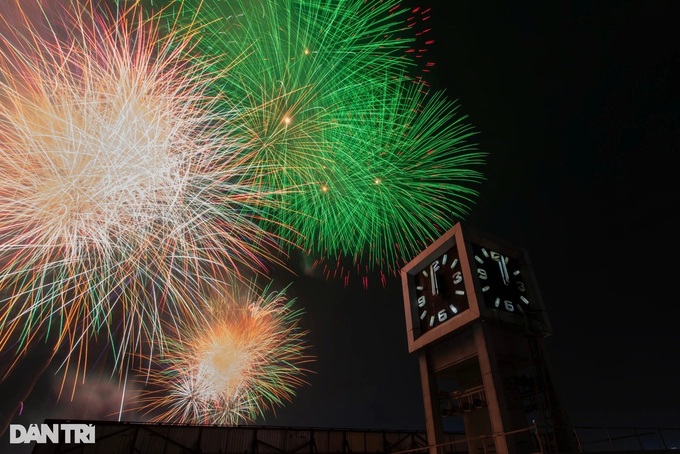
(440, 290)
(501, 281)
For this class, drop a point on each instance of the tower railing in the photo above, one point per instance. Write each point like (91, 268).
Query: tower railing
(592, 439)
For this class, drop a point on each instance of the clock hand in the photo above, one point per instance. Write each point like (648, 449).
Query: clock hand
(504, 270)
(433, 280)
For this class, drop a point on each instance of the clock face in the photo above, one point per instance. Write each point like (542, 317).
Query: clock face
(440, 290)
(501, 281)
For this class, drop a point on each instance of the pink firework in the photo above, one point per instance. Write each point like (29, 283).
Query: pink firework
(121, 191)
(246, 358)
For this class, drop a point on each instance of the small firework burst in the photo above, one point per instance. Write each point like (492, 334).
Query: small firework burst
(245, 359)
(120, 188)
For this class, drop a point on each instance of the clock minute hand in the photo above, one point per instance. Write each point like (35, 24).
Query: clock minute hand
(504, 270)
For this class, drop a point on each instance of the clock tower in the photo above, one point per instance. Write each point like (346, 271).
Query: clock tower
(476, 320)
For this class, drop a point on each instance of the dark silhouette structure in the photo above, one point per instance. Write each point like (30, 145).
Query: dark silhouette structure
(476, 320)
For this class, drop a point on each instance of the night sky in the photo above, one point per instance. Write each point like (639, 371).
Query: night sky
(577, 105)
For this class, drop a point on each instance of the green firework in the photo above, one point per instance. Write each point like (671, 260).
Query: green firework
(363, 163)
(401, 173)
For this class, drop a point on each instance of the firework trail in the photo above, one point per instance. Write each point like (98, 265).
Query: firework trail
(245, 360)
(121, 191)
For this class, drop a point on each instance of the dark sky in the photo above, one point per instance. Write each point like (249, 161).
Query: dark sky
(577, 106)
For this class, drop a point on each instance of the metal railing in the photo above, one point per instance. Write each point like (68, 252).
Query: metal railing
(591, 439)
(487, 444)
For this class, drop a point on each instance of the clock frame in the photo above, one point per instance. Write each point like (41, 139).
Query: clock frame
(440, 290)
(509, 295)
(418, 334)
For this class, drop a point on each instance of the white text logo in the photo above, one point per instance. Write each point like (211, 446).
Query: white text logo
(53, 433)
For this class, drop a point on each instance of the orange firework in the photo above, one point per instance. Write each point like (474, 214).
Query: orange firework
(121, 191)
(245, 360)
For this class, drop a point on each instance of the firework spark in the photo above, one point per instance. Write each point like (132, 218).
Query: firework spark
(245, 360)
(120, 190)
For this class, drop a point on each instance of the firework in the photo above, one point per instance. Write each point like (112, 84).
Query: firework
(121, 192)
(245, 359)
(297, 60)
(402, 170)
(368, 166)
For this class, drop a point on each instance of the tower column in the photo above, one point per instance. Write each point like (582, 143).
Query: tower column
(433, 419)
(495, 396)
